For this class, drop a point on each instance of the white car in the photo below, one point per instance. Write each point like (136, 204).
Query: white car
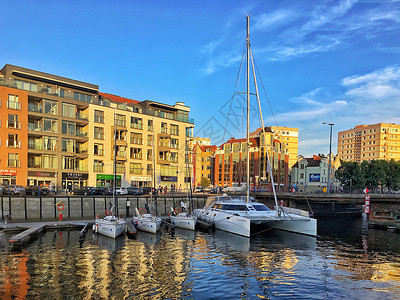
(121, 191)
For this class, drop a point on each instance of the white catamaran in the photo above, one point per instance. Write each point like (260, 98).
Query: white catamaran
(239, 214)
(111, 225)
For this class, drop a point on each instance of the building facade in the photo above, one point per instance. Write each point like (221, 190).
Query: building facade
(203, 163)
(63, 132)
(230, 162)
(311, 174)
(370, 142)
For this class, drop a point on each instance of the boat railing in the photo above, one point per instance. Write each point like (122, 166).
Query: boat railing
(295, 211)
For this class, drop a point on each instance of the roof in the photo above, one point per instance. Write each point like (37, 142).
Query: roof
(119, 99)
(205, 147)
(311, 162)
(253, 141)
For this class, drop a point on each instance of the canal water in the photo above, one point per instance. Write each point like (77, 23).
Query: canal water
(347, 260)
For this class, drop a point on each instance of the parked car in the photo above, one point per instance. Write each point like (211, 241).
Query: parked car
(121, 191)
(208, 189)
(102, 190)
(134, 191)
(146, 190)
(83, 190)
(35, 190)
(198, 189)
(13, 189)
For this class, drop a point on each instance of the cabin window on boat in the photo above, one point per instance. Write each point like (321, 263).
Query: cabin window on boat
(238, 207)
(260, 207)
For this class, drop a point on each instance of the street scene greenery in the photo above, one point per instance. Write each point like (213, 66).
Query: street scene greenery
(376, 175)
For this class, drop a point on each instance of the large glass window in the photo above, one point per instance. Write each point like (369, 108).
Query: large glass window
(120, 120)
(174, 129)
(68, 162)
(50, 161)
(50, 107)
(49, 143)
(136, 138)
(50, 125)
(136, 153)
(13, 141)
(135, 168)
(150, 125)
(69, 110)
(98, 166)
(164, 128)
(68, 128)
(68, 145)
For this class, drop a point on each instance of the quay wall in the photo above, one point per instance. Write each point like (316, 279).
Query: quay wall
(19, 208)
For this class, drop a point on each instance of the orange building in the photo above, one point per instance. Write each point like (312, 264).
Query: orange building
(13, 136)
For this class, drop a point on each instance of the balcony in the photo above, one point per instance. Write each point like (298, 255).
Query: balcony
(13, 144)
(13, 163)
(82, 116)
(35, 127)
(13, 124)
(35, 107)
(80, 133)
(32, 145)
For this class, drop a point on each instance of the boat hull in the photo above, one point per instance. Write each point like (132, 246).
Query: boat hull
(110, 227)
(148, 224)
(186, 222)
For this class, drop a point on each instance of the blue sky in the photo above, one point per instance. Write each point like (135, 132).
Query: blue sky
(319, 61)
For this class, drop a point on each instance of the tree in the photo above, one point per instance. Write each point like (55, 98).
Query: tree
(393, 175)
(351, 170)
(204, 182)
(374, 173)
(321, 155)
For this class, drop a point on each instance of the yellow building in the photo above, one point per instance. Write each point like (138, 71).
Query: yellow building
(370, 142)
(137, 126)
(203, 162)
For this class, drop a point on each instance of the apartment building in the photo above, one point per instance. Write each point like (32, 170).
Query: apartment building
(370, 142)
(287, 136)
(203, 163)
(230, 162)
(60, 132)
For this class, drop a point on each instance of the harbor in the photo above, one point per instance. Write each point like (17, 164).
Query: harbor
(346, 260)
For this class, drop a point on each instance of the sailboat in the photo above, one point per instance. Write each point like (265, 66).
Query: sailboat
(242, 214)
(111, 225)
(183, 219)
(144, 220)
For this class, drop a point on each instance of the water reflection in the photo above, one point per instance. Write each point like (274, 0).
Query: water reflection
(346, 260)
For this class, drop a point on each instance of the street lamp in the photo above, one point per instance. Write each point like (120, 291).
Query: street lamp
(330, 155)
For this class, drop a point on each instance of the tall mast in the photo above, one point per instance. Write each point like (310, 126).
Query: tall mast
(154, 172)
(115, 161)
(248, 108)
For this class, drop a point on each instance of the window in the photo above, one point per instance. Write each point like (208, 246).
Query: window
(149, 168)
(68, 145)
(24, 85)
(50, 161)
(301, 166)
(174, 157)
(68, 163)
(174, 143)
(149, 140)
(50, 125)
(69, 110)
(82, 97)
(13, 102)
(99, 116)
(174, 130)
(49, 143)
(136, 153)
(136, 138)
(120, 167)
(68, 128)
(13, 160)
(99, 133)
(135, 168)
(120, 120)
(149, 154)
(168, 170)
(13, 141)
(50, 107)
(150, 125)
(163, 142)
(121, 151)
(98, 149)
(136, 123)
(98, 166)
(164, 127)
(13, 122)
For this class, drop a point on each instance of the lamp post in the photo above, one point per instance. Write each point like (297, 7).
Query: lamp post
(330, 156)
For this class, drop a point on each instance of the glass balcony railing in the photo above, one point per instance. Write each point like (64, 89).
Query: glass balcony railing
(34, 127)
(35, 146)
(35, 107)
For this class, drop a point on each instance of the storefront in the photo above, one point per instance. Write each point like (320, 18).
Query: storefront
(169, 181)
(8, 176)
(105, 180)
(74, 180)
(141, 181)
(42, 178)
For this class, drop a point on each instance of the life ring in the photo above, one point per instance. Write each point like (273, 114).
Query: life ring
(60, 206)
(142, 211)
(177, 210)
(108, 212)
